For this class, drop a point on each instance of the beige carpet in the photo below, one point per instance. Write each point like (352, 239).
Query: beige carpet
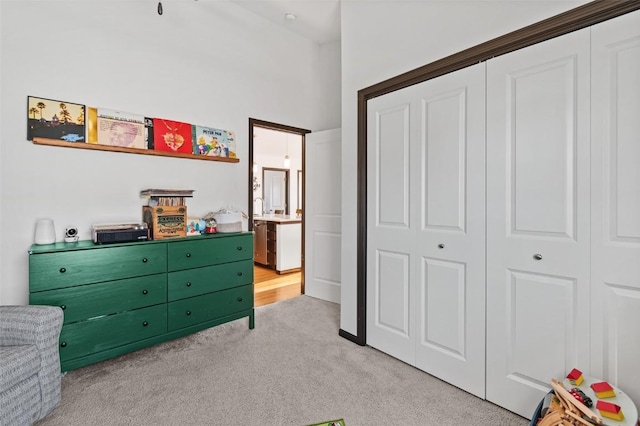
(292, 369)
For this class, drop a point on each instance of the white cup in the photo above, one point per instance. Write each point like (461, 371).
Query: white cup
(45, 232)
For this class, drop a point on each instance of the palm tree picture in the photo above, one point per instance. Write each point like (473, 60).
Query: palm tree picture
(56, 120)
(41, 106)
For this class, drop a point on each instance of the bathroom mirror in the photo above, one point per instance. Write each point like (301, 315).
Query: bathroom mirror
(275, 190)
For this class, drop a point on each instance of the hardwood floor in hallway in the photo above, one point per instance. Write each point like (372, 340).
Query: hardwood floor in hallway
(271, 287)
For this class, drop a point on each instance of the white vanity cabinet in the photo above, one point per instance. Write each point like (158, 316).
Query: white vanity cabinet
(278, 242)
(288, 246)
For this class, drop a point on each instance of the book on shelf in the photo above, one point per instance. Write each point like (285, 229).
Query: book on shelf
(166, 193)
(165, 201)
(166, 197)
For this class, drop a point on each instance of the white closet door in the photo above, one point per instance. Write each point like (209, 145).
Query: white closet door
(537, 219)
(391, 290)
(425, 231)
(449, 194)
(615, 266)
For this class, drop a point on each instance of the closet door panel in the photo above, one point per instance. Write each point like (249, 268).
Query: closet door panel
(537, 218)
(390, 241)
(615, 266)
(541, 170)
(450, 238)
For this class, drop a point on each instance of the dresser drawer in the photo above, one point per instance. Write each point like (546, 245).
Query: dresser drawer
(194, 310)
(95, 335)
(90, 301)
(209, 251)
(193, 282)
(48, 271)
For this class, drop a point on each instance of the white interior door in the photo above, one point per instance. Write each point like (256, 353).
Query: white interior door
(615, 266)
(323, 215)
(450, 187)
(425, 230)
(391, 231)
(537, 219)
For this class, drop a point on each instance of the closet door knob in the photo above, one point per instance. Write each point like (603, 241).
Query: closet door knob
(188, 254)
(63, 270)
(239, 299)
(239, 274)
(440, 246)
(188, 313)
(188, 284)
(145, 260)
(63, 344)
(63, 307)
(145, 292)
(144, 323)
(537, 256)
(240, 248)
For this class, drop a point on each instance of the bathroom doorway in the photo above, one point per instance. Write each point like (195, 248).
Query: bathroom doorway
(276, 209)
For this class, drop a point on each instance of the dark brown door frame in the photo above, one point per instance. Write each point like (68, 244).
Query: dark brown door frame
(253, 122)
(572, 20)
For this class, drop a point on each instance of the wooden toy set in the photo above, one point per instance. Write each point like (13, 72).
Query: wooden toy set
(573, 407)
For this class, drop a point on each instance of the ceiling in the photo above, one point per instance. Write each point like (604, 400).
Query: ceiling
(317, 20)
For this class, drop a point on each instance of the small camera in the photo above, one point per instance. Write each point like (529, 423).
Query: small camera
(71, 234)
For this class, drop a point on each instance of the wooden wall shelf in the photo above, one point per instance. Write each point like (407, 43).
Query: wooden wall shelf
(84, 145)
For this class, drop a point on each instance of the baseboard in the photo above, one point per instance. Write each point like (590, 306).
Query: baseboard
(351, 337)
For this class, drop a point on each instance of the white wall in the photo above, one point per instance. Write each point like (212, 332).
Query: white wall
(209, 63)
(330, 77)
(412, 34)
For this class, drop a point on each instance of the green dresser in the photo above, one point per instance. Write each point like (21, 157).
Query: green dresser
(119, 298)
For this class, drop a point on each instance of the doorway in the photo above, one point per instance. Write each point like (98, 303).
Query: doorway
(276, 209)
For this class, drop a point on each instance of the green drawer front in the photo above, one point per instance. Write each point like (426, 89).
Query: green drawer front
(89, 301)
(209, 251)
(194, 282)
(49, 271)
(194, 310)
(87, 337)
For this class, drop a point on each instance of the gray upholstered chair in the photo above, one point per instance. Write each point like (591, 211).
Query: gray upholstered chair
(29, 363)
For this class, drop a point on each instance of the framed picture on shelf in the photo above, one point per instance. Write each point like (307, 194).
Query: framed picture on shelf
(53, 119)
(213, 142)
(116, 128)
(171, 136)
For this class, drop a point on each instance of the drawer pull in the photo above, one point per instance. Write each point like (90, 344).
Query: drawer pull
(145, 292)
(188, 284)
(144, 323)
(239, 299)
(63, 344)
(63, 270)
(188, 313)
(239, 274)
(440, 246)
(240, 248)
(145, 260)
(63, 307)
(537, 256)
(188, 254)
